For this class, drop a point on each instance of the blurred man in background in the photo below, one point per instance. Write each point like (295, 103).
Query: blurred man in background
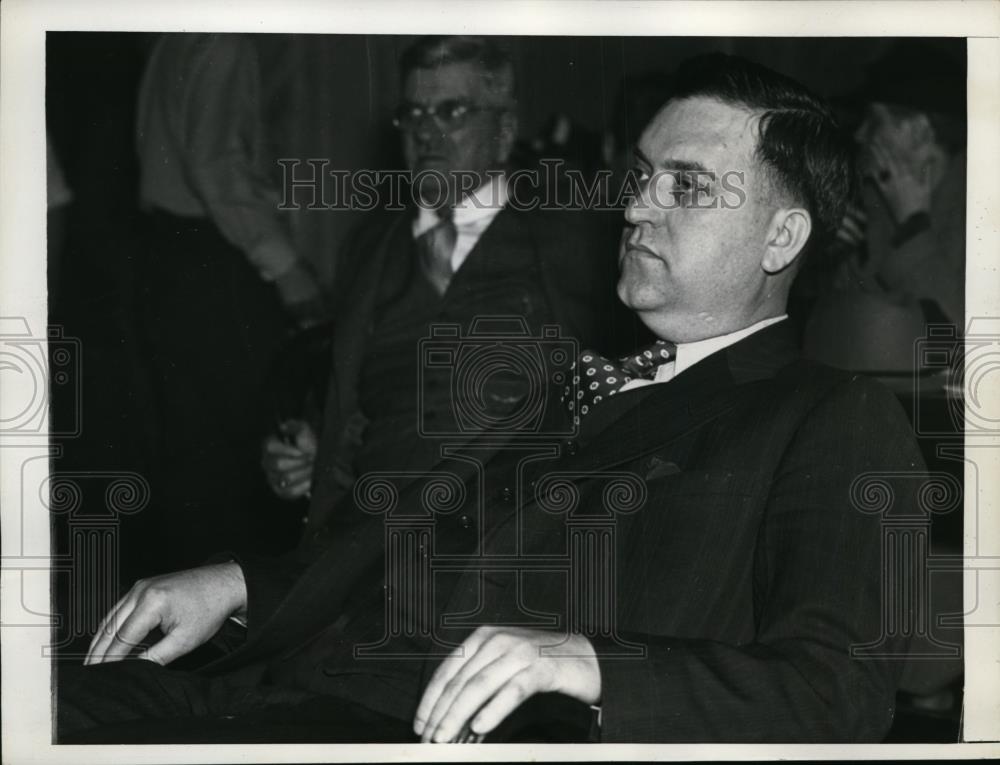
(223, 284)
(452, 257)
(902, 254)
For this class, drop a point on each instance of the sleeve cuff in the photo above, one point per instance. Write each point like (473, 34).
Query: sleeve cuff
(273, 258)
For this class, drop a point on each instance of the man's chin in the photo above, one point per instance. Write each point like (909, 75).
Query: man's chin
(433, 194)
(635, 285)
(632, 296)
(432, 165)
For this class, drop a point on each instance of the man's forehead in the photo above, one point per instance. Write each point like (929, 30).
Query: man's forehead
(700, 130)
(453, 80)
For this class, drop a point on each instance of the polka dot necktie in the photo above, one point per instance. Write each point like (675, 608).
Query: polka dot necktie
(436, 246)
(597, 378)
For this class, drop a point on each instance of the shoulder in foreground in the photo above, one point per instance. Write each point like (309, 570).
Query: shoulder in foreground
(825, 381)
(853, 390)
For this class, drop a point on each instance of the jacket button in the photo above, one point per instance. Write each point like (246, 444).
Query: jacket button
(506, 494)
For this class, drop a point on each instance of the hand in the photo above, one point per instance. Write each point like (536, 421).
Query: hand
(901, 171)
(851, 231)
(301, 295)
(188, 607)
(495, 670)
(288, 462)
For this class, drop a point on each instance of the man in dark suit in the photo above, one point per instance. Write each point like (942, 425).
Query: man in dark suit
(471, 247)
(692, 565)
(748, 603)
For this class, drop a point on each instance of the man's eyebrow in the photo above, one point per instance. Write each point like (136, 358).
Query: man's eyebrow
(682, 165)
(637, 153)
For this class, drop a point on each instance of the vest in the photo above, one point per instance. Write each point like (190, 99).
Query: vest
(425, 374)
(428, 372)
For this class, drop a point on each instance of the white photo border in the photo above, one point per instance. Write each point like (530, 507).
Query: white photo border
(27, 730)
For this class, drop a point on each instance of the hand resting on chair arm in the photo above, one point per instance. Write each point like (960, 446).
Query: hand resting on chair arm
(189, 607)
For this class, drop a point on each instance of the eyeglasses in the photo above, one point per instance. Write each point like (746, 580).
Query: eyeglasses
(447, 115)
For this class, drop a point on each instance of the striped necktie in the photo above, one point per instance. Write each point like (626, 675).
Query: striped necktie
(435, 247)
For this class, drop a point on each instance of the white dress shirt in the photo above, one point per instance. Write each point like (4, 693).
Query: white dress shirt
(472, 216)
(689, 354)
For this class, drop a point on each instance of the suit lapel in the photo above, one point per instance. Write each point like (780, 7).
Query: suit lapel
(352, 329)
(355, 321)
(623, 428)
(626, 426)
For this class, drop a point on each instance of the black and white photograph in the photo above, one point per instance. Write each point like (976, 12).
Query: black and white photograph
(539, 377)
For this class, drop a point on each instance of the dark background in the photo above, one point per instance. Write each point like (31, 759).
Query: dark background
(331, 96)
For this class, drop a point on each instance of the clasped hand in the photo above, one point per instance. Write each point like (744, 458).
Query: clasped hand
(288, 460)
(495, 670)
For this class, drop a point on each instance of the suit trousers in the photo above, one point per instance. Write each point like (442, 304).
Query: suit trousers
(140, 702)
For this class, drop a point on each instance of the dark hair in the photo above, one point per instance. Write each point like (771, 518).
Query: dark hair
(488, 54)
(808, 155)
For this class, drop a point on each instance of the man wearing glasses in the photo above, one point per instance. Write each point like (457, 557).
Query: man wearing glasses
(464, 252)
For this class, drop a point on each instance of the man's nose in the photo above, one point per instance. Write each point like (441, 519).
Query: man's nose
(426, 130)
(638, 209)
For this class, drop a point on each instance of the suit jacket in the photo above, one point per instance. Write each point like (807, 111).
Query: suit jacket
(576, 256)
(746, 567)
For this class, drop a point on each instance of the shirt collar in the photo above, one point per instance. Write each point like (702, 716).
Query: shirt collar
(689, 354)
(479, 207)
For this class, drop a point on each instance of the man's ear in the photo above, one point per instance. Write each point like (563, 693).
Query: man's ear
(786, 236)
(507, 135)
